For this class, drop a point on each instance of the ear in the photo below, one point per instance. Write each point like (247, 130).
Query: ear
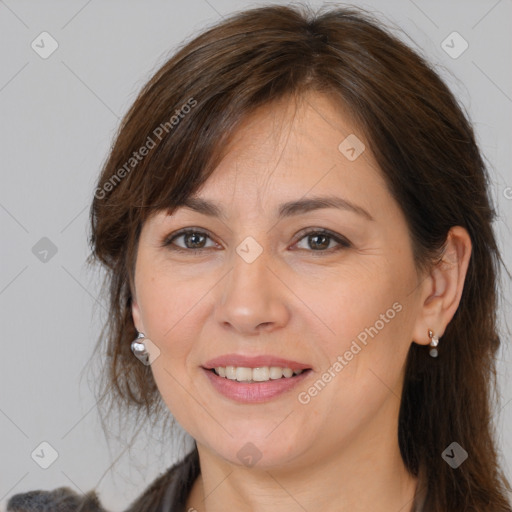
(442, 288)
(136, 315)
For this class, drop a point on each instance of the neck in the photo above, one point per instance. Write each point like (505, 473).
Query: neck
(364, 474)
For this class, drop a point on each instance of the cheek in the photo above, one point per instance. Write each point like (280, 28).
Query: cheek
(368, 324)
(163, 300)
(353, 302)
(175, 306)
(170, 315)
(363, 369)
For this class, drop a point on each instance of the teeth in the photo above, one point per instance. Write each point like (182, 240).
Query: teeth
(287, 372)
(243, 374)
(275, 372)
(261, 374)
(231, 372)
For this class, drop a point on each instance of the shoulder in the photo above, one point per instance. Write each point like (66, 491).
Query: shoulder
(169, 491)
(62, 499)
(170, 487)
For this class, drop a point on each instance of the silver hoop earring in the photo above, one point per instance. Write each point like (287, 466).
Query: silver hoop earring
(434, 341)
(139, 349)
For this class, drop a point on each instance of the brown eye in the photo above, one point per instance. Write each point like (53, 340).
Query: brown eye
(320, 241)
(193, 240)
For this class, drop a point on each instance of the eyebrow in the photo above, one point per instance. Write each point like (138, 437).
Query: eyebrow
(288, 209)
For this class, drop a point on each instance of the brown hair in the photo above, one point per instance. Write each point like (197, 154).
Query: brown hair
(426, 150)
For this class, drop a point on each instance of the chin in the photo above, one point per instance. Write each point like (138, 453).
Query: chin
(260, 452)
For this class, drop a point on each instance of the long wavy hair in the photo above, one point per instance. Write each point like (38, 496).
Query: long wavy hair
(425, 147)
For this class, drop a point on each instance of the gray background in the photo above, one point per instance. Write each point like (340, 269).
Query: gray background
(58, 116)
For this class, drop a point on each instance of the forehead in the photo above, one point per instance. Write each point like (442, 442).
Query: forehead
(290, 149)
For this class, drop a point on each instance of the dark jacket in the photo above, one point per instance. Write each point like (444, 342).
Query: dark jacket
(167, 493)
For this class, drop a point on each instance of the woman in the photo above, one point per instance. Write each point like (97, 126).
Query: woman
(296, 226)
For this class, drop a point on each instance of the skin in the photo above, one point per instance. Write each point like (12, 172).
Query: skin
(339, 452)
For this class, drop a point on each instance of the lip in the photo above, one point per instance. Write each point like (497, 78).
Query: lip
(253, 362)
(253, 392)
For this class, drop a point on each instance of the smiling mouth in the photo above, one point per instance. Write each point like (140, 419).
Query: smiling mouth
(254, 375)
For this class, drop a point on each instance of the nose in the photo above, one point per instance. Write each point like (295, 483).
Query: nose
(253, 298)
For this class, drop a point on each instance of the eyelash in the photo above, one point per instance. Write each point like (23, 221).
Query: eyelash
(342, 241)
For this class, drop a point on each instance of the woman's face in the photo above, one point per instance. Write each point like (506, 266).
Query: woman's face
(260, 286)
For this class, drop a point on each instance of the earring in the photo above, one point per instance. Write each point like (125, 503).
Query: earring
(434, 341)
(139, 349)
